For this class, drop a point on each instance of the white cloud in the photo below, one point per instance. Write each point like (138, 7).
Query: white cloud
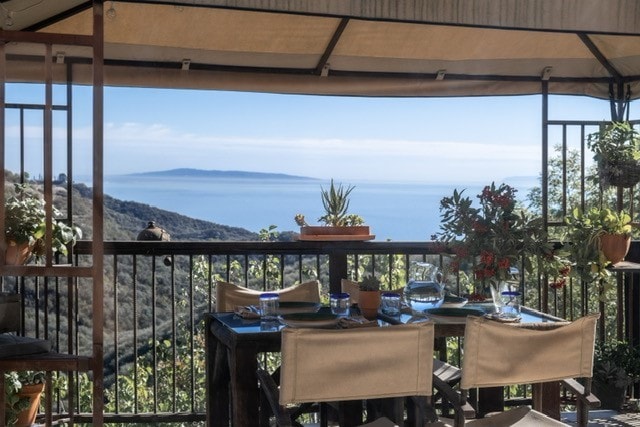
(133, 147)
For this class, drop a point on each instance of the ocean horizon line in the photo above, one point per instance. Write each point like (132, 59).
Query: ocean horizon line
(397, 211)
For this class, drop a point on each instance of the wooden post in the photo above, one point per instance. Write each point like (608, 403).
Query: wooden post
(337, 271)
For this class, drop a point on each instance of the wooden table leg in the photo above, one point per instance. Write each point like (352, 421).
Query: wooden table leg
(245, 395)
(490, 399)
(217, 384)
(350, 413)
(546, 399)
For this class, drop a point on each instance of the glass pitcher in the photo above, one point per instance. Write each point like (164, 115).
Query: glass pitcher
(425, 288)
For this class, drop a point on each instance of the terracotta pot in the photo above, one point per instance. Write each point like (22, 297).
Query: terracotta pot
(615, 246)
(28, 416)
(369, 302)
(17, 254)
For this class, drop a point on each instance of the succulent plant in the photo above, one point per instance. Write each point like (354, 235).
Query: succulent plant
(370, 283)
(335, 201)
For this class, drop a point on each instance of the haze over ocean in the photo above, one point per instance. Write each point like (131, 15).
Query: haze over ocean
(399, 211)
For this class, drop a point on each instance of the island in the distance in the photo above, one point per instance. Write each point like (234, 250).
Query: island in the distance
(188, 172)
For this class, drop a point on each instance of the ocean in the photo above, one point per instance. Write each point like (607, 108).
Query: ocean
(398, 211)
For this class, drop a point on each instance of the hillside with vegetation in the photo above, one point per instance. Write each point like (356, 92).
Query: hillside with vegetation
(123, 220)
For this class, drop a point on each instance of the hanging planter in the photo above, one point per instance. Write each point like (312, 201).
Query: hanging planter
(616, 149)
(622, 173)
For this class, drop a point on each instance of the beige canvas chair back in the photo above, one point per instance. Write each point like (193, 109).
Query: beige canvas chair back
(353, 289)
(497, 354)
(228, 295)
(324, 365)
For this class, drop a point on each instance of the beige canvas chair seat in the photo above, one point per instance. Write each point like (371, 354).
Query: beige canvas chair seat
(446, 372)
(352, 364)
(497, 354)
(522, 416)
(229, 295)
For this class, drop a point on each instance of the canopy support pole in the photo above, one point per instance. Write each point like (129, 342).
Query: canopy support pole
(544, 295)
(620, 101)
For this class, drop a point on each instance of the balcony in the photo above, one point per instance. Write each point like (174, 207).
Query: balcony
(150, 354)
(156, 294)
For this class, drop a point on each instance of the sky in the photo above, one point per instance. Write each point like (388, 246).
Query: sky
(346, 138)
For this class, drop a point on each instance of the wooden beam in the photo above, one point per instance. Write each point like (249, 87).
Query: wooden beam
(98, 213)
(45, 38)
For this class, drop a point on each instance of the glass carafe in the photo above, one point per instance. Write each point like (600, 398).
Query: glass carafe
(425, 289)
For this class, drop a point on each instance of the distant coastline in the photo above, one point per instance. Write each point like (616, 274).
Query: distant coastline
(191, 173)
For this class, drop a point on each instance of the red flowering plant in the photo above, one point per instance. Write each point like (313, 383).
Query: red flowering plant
(496, 238)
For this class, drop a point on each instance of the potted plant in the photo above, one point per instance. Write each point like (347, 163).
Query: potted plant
(369, 296)
(338, 223)
(616, 149)
(616, 366)
(23, 391)
(25, 227)
(595, 239)
(495, 238)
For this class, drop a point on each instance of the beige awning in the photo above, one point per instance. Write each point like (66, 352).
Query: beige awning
(356, 47)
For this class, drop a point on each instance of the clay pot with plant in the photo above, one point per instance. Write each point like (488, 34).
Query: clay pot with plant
(616, 366)
(604, 235)
(23, 392)
(339, 224)
(594, 240)
(25, 227)
(369, 296)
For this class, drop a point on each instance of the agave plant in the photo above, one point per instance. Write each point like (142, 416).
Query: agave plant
(369, 283)
(335, 201)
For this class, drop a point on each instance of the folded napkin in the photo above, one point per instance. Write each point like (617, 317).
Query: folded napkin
(246, 312)
(504, 319)
(356, 322)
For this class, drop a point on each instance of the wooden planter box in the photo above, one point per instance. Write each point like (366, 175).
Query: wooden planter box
(356, 232)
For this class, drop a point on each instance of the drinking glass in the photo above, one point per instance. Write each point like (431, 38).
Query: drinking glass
(269, 304)
(390, 304)
(339, 303)
(510, 304)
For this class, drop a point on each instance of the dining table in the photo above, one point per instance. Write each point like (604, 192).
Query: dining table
(233, 345)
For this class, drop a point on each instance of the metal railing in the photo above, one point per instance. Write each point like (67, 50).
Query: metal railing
(156, 294)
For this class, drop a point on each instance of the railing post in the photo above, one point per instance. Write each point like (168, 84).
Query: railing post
(337, 270)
